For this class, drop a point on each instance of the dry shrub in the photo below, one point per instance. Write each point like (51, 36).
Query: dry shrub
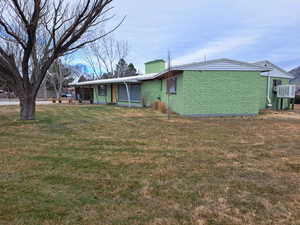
(162, 107)
(155, 105)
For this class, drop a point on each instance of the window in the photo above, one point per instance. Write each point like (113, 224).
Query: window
(134, 92)
(276, 83)
(171, 85)
(122, 92)
(102, 90)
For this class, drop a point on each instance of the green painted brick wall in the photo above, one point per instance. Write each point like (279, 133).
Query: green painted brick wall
(264, 93)
(151, 91)
(221, 92)
(175, 101)
(156, 66)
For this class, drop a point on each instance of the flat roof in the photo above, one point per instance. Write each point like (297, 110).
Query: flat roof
(157, 60)
(132, 79)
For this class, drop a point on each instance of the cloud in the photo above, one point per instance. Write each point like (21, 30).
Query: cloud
(217, 48)
(240, 29)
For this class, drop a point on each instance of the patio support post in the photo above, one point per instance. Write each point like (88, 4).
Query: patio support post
(128, 94)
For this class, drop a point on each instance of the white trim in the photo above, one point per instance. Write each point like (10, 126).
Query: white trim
(242, 65)
(132, 79)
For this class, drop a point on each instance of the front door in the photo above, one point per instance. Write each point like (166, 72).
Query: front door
(113, 94)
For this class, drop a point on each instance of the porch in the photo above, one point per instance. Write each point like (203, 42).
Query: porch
(123, 94)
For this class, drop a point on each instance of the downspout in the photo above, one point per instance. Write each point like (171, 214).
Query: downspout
(268, 96)
(128, 94)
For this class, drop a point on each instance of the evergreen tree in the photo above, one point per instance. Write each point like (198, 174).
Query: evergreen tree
(121, 68)
(124, 70)
(132, 70)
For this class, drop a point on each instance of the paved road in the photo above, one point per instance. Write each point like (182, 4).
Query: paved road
(13, 102)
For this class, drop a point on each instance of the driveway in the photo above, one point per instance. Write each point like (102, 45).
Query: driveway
(16, 102)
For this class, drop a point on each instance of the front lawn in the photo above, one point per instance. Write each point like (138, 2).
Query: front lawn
(117, 166)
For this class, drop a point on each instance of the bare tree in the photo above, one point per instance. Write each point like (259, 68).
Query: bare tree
(35, 33)
(58, 75)
(104, 54)
(2, 84)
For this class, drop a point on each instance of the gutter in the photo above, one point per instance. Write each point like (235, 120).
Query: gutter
(268, 96)
(106, 81)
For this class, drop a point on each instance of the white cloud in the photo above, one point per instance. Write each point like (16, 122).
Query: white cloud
(212, 28)
(217, 48)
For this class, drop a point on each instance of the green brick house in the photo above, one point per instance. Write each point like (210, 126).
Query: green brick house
(221, 87)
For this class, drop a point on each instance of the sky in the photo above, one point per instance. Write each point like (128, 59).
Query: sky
(192, 30)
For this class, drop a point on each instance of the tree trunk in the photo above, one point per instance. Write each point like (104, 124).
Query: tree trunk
(27, 107)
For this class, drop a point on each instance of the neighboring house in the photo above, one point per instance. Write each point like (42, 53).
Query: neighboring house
(296, 81)
(220, 87)
(278, 76)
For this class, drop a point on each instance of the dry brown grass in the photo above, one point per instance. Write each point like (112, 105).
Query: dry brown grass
(292, 114)
(109, 165)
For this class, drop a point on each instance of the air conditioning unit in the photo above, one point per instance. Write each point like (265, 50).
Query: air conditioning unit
(286, 91)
